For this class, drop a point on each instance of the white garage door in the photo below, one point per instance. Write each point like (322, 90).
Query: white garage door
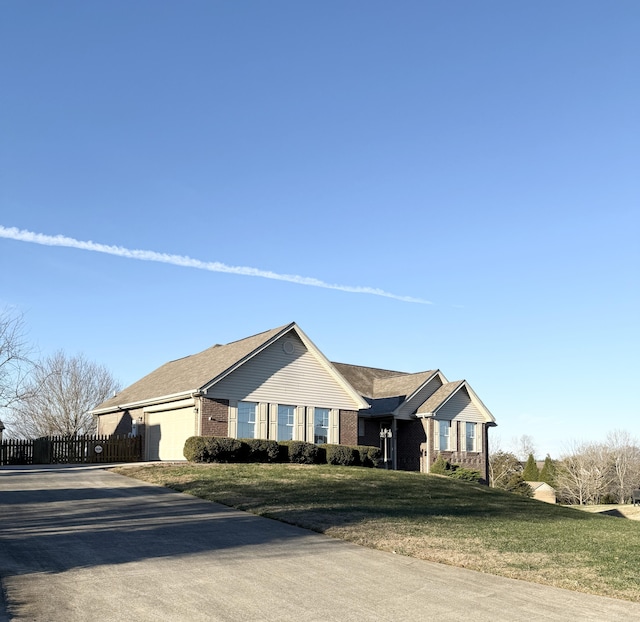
(167, 431)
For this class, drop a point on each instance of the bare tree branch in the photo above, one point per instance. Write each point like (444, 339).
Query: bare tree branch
(62, 391)
(15, 364)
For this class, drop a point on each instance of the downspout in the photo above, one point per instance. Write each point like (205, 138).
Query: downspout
(429, 439)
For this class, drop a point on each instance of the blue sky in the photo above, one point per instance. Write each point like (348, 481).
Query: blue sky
(482, 156)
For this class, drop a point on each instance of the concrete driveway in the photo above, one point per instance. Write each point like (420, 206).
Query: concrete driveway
(78, 543)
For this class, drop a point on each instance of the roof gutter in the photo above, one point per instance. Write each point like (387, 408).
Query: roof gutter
(149, 402)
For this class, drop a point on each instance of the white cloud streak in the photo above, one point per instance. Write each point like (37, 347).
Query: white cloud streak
(13, 233)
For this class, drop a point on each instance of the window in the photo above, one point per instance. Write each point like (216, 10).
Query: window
(444, 429)
(321, 425)
(285, 422)
(247, 419)
(470, 436)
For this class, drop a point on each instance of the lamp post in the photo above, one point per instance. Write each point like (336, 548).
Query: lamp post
(385, 435)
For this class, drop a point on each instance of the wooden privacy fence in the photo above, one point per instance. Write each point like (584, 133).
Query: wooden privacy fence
(86, 449)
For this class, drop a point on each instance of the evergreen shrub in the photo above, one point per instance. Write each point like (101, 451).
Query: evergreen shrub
(213, 449)
(342, 455)
(440, 466)
(298, 452)
(369, 456)
(518, 486)
(531, 472)
(465, 474)
(260, 450)
(195, 449)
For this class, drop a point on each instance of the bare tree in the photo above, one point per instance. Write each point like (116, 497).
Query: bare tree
(584, 474)
(625, 457)
(572, 476)
(14, 358)
(62, 391)
(523, 446)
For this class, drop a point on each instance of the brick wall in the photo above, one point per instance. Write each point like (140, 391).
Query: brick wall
(214, 417)
(410, 434)
(348, 427)
(470, 460)
(371, 433)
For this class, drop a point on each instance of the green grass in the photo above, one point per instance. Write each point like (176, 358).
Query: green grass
(428, 517)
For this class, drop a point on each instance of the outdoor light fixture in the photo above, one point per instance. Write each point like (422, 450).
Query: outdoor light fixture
(385, 435)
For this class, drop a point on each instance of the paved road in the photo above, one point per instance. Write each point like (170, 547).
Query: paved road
(80, 543)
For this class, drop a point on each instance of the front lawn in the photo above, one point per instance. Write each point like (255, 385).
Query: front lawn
(428, 517)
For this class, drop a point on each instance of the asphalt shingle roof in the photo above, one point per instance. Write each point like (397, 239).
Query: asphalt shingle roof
(191, 372)
(439, 397)
(380, 383)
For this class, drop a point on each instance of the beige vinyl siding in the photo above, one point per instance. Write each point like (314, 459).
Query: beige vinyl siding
(107, 424)
(460, 407)
(275, 376)
(409, 407)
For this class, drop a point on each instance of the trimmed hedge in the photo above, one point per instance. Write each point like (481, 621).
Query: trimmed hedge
(213, 449)
(298, 452)
(195, 449)
(260, 450)
(342, 455)
(369, 456)
(225, 449)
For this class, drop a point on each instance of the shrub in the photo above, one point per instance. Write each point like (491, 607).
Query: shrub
(260, 450)
(224, 449)
(440, 466)
(213, 449)
(518, 486)
(298, 452)
(466, 475)
(369, 456)
(342, 455)
(195, 449)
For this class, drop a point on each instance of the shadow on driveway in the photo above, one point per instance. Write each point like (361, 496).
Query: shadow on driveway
(48, 526)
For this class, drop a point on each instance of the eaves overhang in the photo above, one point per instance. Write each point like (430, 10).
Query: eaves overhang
(143, 403)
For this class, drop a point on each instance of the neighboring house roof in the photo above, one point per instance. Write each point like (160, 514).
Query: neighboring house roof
(194, 373)
(540, 486)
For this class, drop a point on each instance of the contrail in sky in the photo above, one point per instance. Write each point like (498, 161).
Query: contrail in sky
(13, 233)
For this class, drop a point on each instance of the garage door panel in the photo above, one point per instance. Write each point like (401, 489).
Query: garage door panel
(167, 431)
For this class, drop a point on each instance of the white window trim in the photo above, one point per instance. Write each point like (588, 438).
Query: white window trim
(447, 427)
(474, 443)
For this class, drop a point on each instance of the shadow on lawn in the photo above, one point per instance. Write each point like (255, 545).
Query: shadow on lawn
(362, 495)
